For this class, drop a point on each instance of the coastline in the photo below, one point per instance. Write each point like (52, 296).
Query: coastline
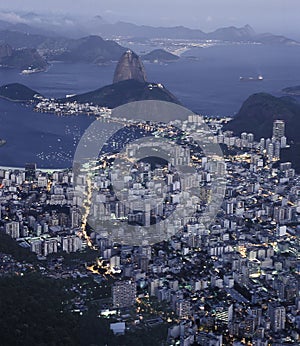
(45, 170)
(14, 100)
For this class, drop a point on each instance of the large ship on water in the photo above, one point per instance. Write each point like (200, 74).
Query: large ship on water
(258, 78)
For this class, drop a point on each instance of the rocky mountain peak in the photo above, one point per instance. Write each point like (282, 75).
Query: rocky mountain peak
(130, 66)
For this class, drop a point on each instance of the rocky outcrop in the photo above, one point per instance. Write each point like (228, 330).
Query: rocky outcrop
(130, 66)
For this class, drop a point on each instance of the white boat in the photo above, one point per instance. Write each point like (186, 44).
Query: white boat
(258, 78)
(31, 70)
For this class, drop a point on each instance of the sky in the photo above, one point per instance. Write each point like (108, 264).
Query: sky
(277, 16)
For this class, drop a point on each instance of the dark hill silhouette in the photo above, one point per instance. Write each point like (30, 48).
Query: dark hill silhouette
(17, 92)
(260, 110)
(257, 115)
(126, 91)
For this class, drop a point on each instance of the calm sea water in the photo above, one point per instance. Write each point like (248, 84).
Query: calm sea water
(208, 84)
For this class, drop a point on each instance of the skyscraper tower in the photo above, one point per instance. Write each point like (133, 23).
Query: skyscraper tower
(277, 316)
(147, 214)
(278, 129)
(124, 294)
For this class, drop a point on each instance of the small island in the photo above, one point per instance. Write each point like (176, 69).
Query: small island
(160, 55)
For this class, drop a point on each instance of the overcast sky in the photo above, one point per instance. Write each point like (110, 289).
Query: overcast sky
(278, 16)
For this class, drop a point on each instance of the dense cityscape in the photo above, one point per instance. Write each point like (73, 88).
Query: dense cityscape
(235, 282)
(149, 173)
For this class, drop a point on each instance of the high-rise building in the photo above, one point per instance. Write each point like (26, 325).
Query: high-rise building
(183, 308)
(229, 207)
(71, 243)
(13, 229)
(75, 218)
(50, 246)
(147, 214)
(143, 262)
(30, 171)
(277, 316)
(43, 181)
(278, 129)
(114, 263)
(250, 137)
(124, 294)
(283, 142)
(24, 231)
(224, 313)
(270, 151)
(36, 246)
(277, 147)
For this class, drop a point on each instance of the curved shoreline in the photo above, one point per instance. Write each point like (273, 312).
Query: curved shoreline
(13, 100)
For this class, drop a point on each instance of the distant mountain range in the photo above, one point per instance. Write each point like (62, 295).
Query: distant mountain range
(232, 33)
(178, 32)
(95, 49)
(66, 26)
(58, 39)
